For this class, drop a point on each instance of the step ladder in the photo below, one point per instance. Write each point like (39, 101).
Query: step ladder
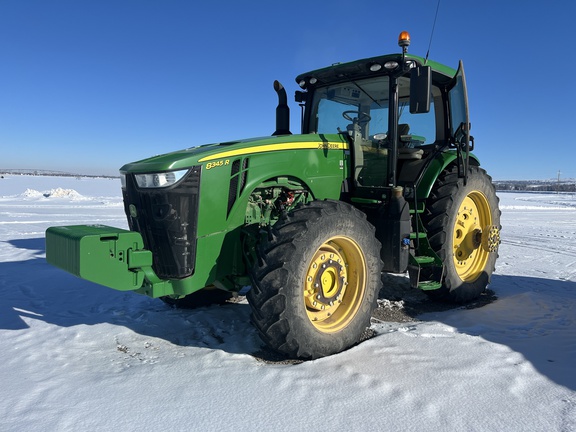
(425, 267)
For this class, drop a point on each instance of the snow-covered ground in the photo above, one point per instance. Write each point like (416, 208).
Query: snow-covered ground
(75, 356)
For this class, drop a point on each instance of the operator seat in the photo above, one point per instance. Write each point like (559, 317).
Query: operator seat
(403, 129)
(406, 148)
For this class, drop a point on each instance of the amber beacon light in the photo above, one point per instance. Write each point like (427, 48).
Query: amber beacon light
(404, 40)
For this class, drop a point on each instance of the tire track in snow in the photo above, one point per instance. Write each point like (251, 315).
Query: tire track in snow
(571, 266)
(533, 246)
(529, 246)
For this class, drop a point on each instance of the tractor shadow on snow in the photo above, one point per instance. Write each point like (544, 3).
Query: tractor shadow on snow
(31, 289)
(398, 302)
(532, 316)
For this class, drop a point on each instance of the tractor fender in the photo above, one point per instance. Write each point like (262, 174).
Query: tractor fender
(238, 213)
(433, 169)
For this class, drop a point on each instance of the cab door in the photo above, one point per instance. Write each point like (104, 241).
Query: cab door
(460, 138)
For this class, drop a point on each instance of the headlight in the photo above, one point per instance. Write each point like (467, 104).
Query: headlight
(159, 180)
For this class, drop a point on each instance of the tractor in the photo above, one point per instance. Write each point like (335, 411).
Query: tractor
(381, 179)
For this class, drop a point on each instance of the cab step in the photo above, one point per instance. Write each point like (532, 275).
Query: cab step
(429, 285)
(425, 272)
(419, 235)
(422, 260)
(425, 267)
(419, 208)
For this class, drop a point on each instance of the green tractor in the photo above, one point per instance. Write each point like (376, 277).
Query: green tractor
(381, 179)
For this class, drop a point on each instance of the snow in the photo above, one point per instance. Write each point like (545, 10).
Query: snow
(75, 356)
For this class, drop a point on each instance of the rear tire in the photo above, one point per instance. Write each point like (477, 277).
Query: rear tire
(316, 280)
(463, 224)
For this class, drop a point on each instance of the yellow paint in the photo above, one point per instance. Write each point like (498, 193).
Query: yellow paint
(473, 217)
(216, 164)
(335, 284)
(276, 147)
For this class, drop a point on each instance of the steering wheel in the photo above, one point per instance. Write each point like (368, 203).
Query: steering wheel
(362, 116)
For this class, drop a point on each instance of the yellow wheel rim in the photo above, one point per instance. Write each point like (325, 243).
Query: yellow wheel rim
(473, 217)
(335, 284)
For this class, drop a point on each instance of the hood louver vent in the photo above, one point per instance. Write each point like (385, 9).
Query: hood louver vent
(238, 176)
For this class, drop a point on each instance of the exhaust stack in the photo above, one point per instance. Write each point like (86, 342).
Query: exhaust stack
(282, 111)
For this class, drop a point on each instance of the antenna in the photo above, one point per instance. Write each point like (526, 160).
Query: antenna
(432, 32)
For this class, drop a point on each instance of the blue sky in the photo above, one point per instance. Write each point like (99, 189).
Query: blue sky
(86, 86)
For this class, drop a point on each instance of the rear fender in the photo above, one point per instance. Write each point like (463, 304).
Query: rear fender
(434, 168)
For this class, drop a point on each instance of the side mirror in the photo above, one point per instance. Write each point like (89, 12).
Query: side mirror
(420, 89)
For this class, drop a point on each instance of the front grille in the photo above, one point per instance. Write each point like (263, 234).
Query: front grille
(167, 219)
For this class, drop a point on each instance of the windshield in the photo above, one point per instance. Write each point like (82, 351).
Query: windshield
(368, 101)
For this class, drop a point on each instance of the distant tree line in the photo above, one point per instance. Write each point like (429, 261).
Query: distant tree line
(536, 186)
(32, 172)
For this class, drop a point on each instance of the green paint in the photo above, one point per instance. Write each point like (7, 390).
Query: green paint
(234, 192)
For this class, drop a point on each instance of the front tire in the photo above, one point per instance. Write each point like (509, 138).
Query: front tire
(316, 280)
(463, 225)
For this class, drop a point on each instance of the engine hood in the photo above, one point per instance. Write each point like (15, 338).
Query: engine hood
(212, 152)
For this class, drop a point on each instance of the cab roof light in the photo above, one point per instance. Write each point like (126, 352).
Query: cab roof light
(404, 41)
(375, 67)
(309, 80)
(391, 65)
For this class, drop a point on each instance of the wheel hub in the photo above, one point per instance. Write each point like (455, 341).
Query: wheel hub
(330, 280)
(325, 283)
(335, 284)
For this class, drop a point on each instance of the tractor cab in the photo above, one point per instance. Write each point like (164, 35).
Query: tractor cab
(393, 110)
(361, 110)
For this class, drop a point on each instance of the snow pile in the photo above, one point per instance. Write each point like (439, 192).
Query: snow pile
(58, 192)
(391, 304)
(64, 193)
(32, 193)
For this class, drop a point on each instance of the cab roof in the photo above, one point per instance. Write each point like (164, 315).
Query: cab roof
(358, 69)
